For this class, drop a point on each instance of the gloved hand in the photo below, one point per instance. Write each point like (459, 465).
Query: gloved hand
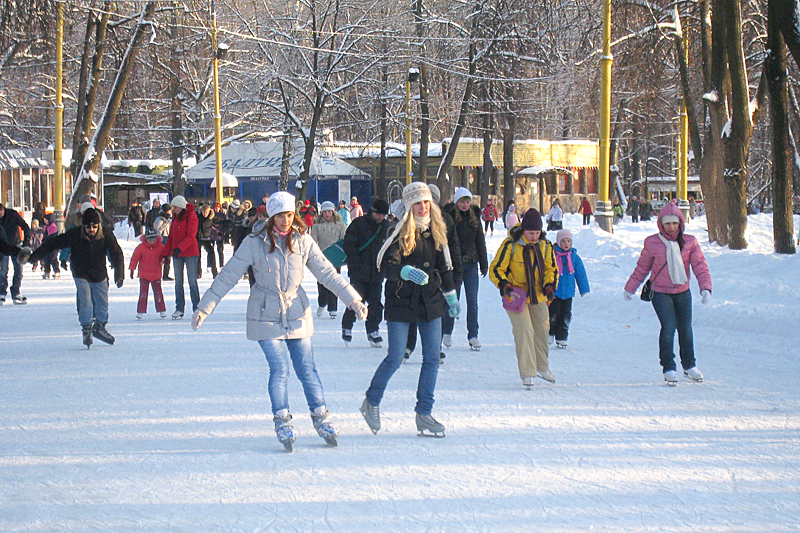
(165, 260)
(414, 275)
(454, 309)
(131, 274)
(64, 264)
(119, 280)
(484, 271)
(197, 319)
(585, 294)
(549, 291)
(360, 310)
(176, 252)
(627, 296)
(24, 255)
(706, 294)
(506, 289)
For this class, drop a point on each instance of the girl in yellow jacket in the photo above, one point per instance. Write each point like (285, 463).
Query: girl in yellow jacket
(524, 269)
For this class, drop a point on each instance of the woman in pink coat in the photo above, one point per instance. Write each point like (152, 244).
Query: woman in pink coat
(667, 257)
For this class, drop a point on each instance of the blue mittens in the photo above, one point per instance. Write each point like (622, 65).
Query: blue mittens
(414, 275)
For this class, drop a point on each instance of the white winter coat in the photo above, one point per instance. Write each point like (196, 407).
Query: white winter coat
(327, 233)
(278, 307)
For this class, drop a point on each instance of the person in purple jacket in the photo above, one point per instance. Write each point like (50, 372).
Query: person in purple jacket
(667, 256)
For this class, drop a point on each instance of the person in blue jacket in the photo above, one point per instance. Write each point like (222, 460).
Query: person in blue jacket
(570, 273)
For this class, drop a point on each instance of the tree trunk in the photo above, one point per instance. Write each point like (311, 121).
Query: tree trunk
(488, 164)
(91, 161)
(737, 142)
(789, 23)
(447, 159)
(509, 176)
(176, 111)
(776, 66)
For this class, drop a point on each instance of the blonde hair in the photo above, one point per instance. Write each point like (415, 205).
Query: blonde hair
(406, 236)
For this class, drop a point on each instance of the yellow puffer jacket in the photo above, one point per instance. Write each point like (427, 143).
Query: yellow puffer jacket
(508, 265)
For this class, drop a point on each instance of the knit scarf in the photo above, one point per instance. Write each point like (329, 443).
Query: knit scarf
(423, 223)
(559, 261)
(530, 268)
(675, 266)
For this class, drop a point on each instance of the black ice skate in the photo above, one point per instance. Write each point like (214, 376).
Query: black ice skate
(87, 336)
(102, 333)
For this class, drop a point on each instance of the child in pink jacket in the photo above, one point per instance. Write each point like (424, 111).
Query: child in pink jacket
(147, 256)
(667, 257)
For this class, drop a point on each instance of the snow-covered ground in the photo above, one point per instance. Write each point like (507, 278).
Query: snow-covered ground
(170, 430)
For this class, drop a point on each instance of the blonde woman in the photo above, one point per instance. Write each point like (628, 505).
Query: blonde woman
(279, 315)
(419, 290)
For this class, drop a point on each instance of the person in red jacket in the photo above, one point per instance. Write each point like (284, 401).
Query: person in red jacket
(489, 215)
(586, 210)
(147, 256)
(182, 247)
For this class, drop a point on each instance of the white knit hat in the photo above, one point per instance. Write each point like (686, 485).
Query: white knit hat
(415, 192)
(327, 206)
(85, 206)
(280, 202)
(461, 192)
(179, 201)
(436, 194)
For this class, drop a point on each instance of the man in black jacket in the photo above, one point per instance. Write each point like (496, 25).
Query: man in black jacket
(90, 243)
(12, 223)
(363, 240)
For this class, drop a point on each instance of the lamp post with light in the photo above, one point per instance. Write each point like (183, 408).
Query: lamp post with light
(412, 77)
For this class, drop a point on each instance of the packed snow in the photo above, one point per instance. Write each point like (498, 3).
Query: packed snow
(170, 430)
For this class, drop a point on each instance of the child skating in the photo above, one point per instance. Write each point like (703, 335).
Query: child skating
(147, 256)
(570, 272)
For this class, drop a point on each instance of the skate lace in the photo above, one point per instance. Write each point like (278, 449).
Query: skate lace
(429, 422)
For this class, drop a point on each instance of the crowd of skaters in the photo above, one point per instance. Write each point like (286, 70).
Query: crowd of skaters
(407, 264)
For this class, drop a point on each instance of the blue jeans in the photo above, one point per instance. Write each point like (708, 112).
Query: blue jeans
(191, 271)
(16, 281)
(431, 335)
(302, 356)
(92, 300)
(674, 311)
(471, 277)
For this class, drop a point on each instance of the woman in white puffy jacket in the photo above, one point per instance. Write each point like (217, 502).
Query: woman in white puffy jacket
(279, 313)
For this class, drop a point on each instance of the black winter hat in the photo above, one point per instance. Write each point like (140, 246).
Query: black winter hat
(380, 206)
(91, 216)
(532, 221)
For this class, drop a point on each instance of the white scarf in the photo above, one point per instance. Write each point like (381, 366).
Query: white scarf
(675, 266)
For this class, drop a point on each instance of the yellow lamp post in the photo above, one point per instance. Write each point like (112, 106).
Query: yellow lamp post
(603, 213)
(220, 51)
(58, 155)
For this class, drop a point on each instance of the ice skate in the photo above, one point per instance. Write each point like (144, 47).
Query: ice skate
(2, 299)
(551, 339)
(57, 275)
(475, 344)
(139, 316)
(320, 311)
(46, 275)
(102, 334)
(694, 374)
(547, 376)
(375, 339)
(177, 315)
(671, 377)
(372, 414)
(325, 429)
(447, 340)
(284, 429)
(442, 357)
(528, 382)
(561, 344)
(163, 314)
(20, 300)
(347, 336)
(87, 335)
(406, 356)
(429, 427)
(332, 315)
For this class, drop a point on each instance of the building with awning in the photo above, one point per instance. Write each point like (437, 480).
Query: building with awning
(256, 168)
